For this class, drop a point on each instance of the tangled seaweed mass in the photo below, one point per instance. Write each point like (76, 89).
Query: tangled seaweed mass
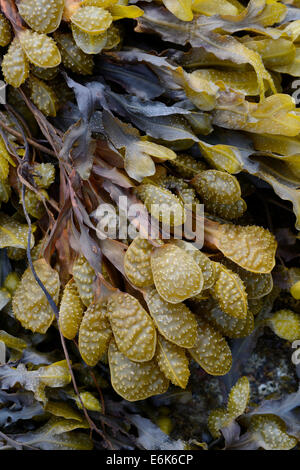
(141, 338)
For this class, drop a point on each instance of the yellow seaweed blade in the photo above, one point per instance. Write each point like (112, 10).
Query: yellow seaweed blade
(274, 115)
(162, 204)
(240, 81)
(221, 157)
(5, 31)
(270, 433)
(55, 375)
(73, 57)
(94, 333)
(4, 153)
(84, 276)
(15, 67)
(91, 19)
(217, 7)
(274, 52)
(218, 418)
(70, 311)
(137, 263)
(63, 410)
(173, 362)
(30, 304)
(13, 233)
(217, 186)
(40, 49)
(174, 321)
(274, 12)
(238, 397)
(293, 67)
(230, 292)
(11, 341)
(89, 43)
(262, 74)
(251, 247)
(43, 96)
(285, 324)
(43, 16)
(89, 402)
(133, 328)
(182, 9)
(4, 168)
(135, 380)
(211, 350)
(176, 275)
(125, 11)
(283, 145)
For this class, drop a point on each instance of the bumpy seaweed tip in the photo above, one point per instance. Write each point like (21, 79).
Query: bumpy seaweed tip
(172, 360)
(173, 284)
(43, 16)
(89, 43)
(211, 350)
(135, 380)
(89, 402)
(34, 204)
(43, 174)
(187, 166)
(15, 66)
(230, 326)
(84, 276)
(205, 264)
(231, 211)
(71, 310)
(11, 282)
(218, 419)
(217, 186)
(257, 284)
(251, 247)
(73, 58)
(14, 234)
(174, 321)
(137, 262)
(270, 431)
(43, 96)
(236, 406)
(94, 333)
(295, 290)
(162, 204)
(30, 304)
(230, 292)
(285, 324)
(5, 31)
(133, 328)
(40, 49)
(91, 19)
(238, 397)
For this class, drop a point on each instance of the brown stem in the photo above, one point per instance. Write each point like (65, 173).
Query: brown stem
(70, 7)
(30, 141)
(211, 233)
(19, 118)
(10, 10)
